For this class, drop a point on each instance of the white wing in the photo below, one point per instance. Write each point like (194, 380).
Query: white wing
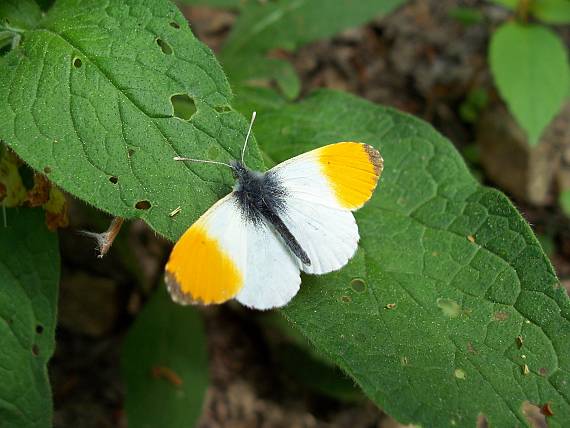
(272, 272)
(224, 256)
(323, 186)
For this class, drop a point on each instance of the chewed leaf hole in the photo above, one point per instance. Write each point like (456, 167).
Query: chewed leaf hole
(36, 350)
(175, 25)
(47, 170)
(166, 49)
(142, 205)
(358, 285)
(39, 329)
(114, 179)
(77, 63)
(183, 106)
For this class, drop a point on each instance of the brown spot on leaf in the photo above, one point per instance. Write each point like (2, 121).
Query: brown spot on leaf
(166, 373)
(3, 191)
(470, 348)
(520, 341)
(390, 306)
(546, 409)
(533, 415)
(500, 316)
(471, 238)
(543, 371)
(36, 350)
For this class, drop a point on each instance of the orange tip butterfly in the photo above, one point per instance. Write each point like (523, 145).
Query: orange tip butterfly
(253, 243)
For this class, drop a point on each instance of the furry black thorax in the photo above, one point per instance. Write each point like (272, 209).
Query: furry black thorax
(262, 196)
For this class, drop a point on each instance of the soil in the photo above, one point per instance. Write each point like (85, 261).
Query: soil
(418, 59)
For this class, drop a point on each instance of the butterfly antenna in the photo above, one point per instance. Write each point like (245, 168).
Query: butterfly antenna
(178, 158)
(247, 137)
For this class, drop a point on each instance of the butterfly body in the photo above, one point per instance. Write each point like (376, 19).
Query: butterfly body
(261, 196)
(253, 243)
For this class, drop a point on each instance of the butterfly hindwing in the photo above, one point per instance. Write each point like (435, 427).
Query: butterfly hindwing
(272, 273)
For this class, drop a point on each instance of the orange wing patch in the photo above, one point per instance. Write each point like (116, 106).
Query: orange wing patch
(353, 170)
(200, 271)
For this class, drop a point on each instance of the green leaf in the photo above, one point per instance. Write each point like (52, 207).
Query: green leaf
(19, 13)
(289, 24)
(551, 11)
(449, 276)
(88, 98)
(232, 4)
(29, 278)
(165, 365)
(530, 67)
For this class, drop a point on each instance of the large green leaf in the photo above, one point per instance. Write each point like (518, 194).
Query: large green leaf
(288, 24)
(29, 277)
(87, 101)
(427, 317)
(530, 67)
(165, 365)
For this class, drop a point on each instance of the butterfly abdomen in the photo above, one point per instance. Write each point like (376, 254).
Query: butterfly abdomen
(262, 196)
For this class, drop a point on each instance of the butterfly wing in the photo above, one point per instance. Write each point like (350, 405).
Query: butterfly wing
(323, 186)
(272, 275)
(224, 255)
(208, 263)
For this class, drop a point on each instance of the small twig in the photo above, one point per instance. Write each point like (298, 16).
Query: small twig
(106, 239)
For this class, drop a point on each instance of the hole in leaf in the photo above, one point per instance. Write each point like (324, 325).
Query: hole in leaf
(39, 329)
(166, 49)
(36, 350)
(47, 170)
(142, 205)
(183, 106)
(114, 179)
(77, 63)
(223, 109)
(358, 285)
(175, 25)
(130, 152)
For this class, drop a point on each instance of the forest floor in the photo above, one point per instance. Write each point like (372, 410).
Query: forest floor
(419, 59)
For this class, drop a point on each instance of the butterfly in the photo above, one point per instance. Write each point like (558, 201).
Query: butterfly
(252, 244)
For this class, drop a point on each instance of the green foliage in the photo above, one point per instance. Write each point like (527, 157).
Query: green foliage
(530, 67)
(467, 15)
(88, 98)
(165, 365)
(452, 273)
(476, 102)
(548, 11)
(217, 3)
(552, 11)
(19, 14)
(29, 276)
(449, 275)
(289, 24)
